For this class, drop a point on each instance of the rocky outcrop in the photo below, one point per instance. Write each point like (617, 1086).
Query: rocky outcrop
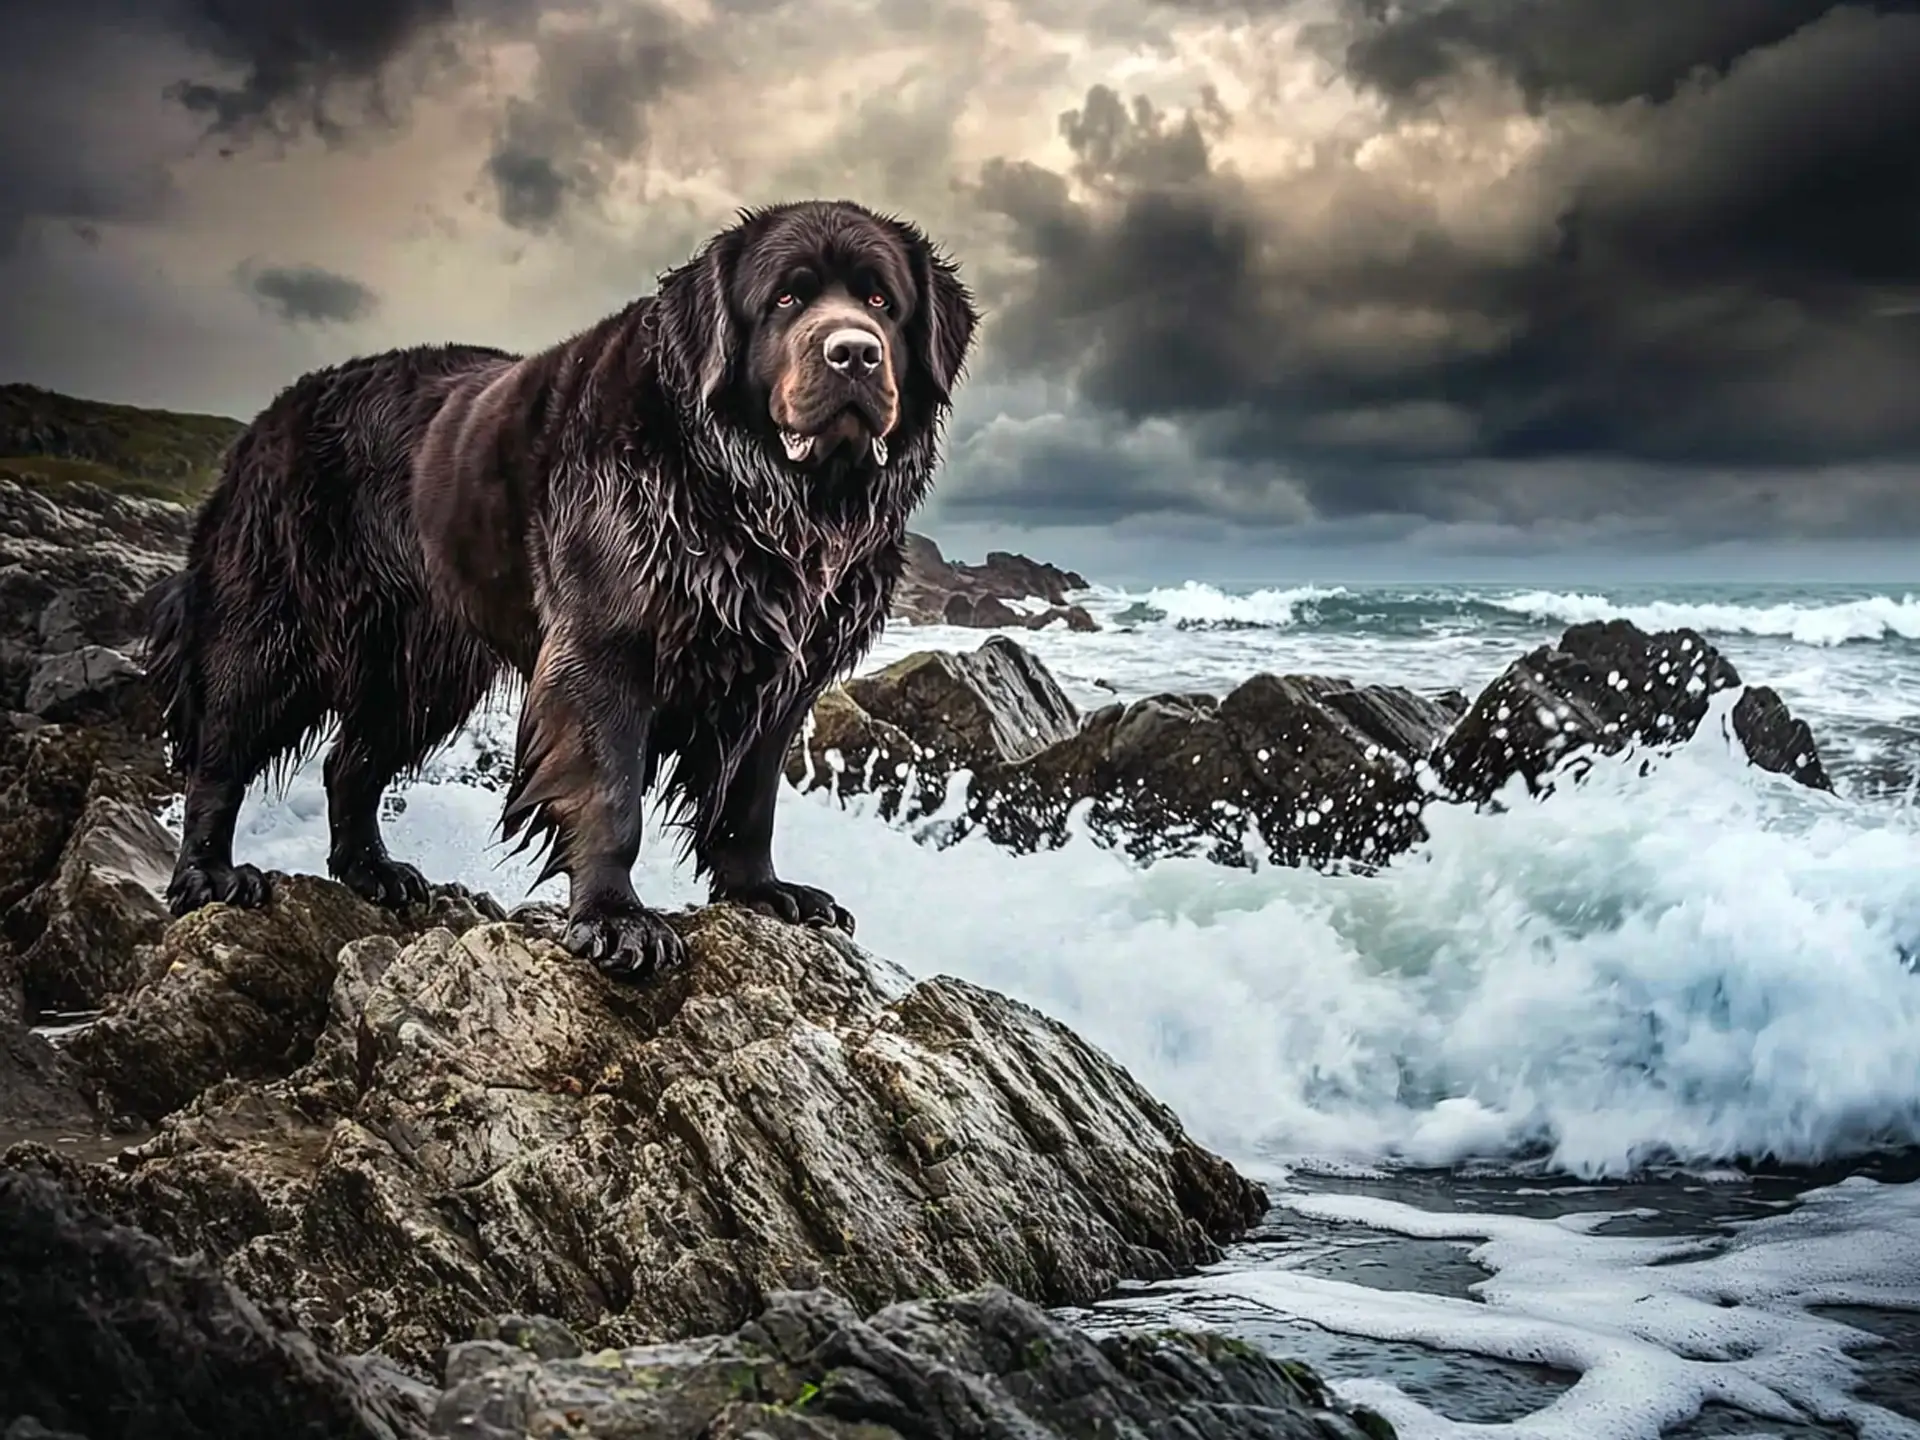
(486, 1125)
(1302, 769)
(1318, 769)
(106, 1335)
(902, 731)
(1007, 592)
(1607, 686)
(1309, 769)
(982, 1366)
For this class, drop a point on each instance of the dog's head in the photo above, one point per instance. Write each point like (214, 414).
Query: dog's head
(823, 328)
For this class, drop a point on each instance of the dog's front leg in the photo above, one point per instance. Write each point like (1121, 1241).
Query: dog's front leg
(577, 784)
(738, 852)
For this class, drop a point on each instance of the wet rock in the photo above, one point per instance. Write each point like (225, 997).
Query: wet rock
(39, 1089)
(980, 1366)
(1606, 686)
(928, 715)
(487, 1125)
(229, 992)
(1006, 592)
(105, 1334)
(1318, 768)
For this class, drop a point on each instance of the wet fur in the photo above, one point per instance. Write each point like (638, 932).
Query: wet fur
(606, 519)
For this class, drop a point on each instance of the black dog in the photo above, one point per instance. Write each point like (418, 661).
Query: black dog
(677, 528)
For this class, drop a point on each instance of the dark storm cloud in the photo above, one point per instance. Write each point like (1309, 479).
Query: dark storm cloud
(308, 294)
(1606, 51)
(587, 112)
(63, 154)
(1723, 288)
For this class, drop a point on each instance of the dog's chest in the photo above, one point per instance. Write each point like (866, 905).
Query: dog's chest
(752, 617)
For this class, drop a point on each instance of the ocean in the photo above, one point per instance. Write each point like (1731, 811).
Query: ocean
(1591, 1118)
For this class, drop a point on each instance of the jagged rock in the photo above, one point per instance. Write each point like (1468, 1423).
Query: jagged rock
(488, 1125)
(39, 1090)
(935, 591)
(105, 1334)
(1605, 686)
(1322, 769)
(92, 682)
(103, 902)
(232, 992)
(981, 1366)
(928, 715)
(52, 778)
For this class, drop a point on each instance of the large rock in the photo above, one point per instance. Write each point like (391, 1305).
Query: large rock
(1317, 769)
(904, 730)
(104, 1334)
(981, 1366)
(488, 1125)
(240, 993)
(1606, 686)
(1007, 592)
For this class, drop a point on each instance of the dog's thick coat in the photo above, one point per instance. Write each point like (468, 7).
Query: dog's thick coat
(676, 527)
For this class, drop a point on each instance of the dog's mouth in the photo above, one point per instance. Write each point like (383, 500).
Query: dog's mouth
(849, 428)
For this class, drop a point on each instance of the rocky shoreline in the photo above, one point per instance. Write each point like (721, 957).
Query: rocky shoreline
(437, 1177)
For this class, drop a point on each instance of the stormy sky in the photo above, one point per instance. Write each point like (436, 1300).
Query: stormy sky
(1417, 284)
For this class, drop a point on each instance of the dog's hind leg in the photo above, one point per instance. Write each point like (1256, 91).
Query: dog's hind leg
(258, 701)
(416, 682)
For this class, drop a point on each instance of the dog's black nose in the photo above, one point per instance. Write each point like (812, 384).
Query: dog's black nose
(854, 351)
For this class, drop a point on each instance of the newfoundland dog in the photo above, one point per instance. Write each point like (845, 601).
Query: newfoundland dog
(676, 528)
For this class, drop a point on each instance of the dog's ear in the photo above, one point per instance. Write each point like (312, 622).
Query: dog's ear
(697, 330)
(941, 330)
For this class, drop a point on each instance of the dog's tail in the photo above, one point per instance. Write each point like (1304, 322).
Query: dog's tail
(171, 672)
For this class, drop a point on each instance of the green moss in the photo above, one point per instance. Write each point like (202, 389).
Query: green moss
(807, 1392)
(1376, 1425)
(57, 440)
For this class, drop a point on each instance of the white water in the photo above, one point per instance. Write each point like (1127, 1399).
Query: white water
(1653, 1328)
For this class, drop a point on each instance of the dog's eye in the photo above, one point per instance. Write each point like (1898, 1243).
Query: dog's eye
(786, 299)
(877, 300)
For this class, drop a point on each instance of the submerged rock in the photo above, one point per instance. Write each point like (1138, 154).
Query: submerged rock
(1606, 686)
(487, 1125)
(105, 1334)
(980, 1366)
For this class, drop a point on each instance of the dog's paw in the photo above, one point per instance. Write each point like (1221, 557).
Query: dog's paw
(192, 886)
(795, 904)
(381, 880)
(629, 943)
